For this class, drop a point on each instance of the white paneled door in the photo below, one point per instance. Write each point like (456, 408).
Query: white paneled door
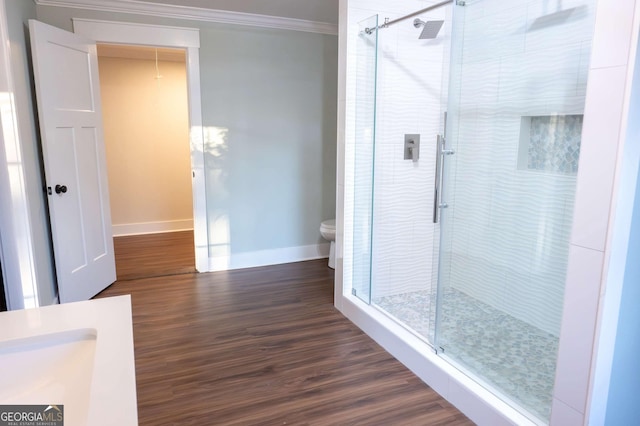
(65, 68)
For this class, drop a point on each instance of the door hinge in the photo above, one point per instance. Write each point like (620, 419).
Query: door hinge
(353, 291)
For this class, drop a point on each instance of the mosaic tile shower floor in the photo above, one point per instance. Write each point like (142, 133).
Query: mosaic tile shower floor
(515, 357)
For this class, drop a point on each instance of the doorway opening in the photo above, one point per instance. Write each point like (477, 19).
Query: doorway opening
(146, 131)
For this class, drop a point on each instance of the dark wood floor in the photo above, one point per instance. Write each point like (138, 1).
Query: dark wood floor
(153, 255)
(265, 346)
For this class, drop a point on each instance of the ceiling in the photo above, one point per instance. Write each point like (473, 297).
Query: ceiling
(141, 52)
(309, 10)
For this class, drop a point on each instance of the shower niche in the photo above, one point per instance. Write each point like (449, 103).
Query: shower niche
(550, 143)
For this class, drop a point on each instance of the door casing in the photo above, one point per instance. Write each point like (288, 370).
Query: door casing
(183, 38)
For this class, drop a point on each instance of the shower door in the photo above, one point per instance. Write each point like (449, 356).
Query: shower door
(364, 154)
(410, 101)
(516, 98)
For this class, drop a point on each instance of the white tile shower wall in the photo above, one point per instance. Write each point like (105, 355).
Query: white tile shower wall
(409, 100)
(409, 96)
(509, 71)
(610, 74)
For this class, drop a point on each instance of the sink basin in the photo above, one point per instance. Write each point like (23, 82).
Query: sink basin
(79, 355)
(50, 369)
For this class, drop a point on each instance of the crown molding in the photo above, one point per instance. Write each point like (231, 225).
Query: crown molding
(195, 14)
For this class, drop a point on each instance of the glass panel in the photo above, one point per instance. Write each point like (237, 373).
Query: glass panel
(365, 126)
(411, 98)
(517, 91)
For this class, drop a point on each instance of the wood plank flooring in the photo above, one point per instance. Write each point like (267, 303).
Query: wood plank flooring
(152, 255)
(265, 346)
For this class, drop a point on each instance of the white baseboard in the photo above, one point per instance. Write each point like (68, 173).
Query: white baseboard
(152, 227)
(269, 257)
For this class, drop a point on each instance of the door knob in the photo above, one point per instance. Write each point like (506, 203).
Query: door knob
(61, 189)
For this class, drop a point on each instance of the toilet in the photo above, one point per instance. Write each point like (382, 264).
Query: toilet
(328, 232)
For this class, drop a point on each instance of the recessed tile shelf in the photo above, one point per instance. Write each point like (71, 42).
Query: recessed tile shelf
(550, 143)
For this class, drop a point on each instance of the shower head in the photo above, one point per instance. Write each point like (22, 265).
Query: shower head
(558, 17)
(430, 29)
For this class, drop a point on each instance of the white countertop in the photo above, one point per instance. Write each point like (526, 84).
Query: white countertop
(79, 354)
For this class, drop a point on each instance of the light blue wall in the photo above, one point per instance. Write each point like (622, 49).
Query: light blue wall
(623, 402)
(274, 93)
(623, 405)
(272, 180)
(18, 14)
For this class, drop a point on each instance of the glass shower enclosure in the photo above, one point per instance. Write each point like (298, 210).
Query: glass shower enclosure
(480, 278)
(364, 147)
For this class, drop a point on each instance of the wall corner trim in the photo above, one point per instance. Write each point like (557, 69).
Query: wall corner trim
(196, 14)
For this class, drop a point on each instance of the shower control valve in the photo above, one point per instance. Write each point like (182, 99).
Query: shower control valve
(412, 147)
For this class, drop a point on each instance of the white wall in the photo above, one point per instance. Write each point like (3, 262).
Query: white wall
(610, 73)
(146, 128)
(36, 240)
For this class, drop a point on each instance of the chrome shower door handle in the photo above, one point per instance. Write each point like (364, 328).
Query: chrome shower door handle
(436, 181)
